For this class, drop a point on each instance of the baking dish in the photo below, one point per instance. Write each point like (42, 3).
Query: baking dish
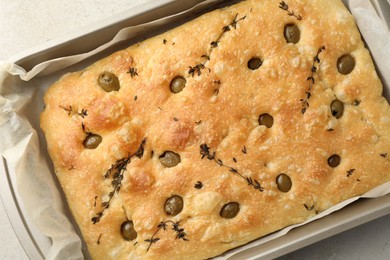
(36, 244)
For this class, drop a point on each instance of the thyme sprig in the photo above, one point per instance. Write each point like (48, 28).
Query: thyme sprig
(197, 69)
(116, 171)
(163, 225)
(83, 113)
(316, 61)
(205, 152)
(284, 6)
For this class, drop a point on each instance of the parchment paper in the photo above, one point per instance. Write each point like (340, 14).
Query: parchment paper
(23, 145)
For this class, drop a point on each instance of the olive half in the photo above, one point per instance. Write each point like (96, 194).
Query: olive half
(170, 159)
(266, 119)
(334, 160)
(174, 205)
(177, 84)
(230, 210)
(92, 141)
(254, 63)
(292, 34)
(108, 81)
(345, 64)
(337, 108)
(284, 182)
(127, 230)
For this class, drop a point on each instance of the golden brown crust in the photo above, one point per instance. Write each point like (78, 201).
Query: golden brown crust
(219, 109)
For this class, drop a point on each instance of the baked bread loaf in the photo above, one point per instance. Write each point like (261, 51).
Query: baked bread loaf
(234, 125)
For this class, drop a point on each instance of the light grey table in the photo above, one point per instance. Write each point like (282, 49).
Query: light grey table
(24, 24)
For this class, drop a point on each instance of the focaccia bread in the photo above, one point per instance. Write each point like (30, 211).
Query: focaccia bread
(234, 125)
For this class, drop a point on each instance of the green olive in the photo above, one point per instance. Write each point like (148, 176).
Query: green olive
(345, 64)
(170, 159)
(174, 205)
(254, 63)
(334, 160)
(292, 34)
(127, 230)
(266, 119)
(177, 84)
(337, 108)
(230, 210)
(92, 141)
(108, 81)
(284, 182)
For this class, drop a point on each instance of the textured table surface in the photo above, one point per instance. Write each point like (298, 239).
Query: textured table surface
(24, 24)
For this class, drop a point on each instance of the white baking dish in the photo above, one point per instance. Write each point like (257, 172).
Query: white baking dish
(37, 245)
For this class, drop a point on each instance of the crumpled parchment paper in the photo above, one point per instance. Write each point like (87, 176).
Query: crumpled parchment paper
(23, 145)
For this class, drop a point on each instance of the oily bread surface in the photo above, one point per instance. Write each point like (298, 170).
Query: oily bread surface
(219, 108)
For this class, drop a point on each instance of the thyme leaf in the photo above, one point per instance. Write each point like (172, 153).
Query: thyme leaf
(356, 102)
(198, 185)
(283, 5)
(98, 241)
(140, 151)
(83, 113)
(196, 69)
(69, 110)
(133, 72)
(309, 208)
(350, 172)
